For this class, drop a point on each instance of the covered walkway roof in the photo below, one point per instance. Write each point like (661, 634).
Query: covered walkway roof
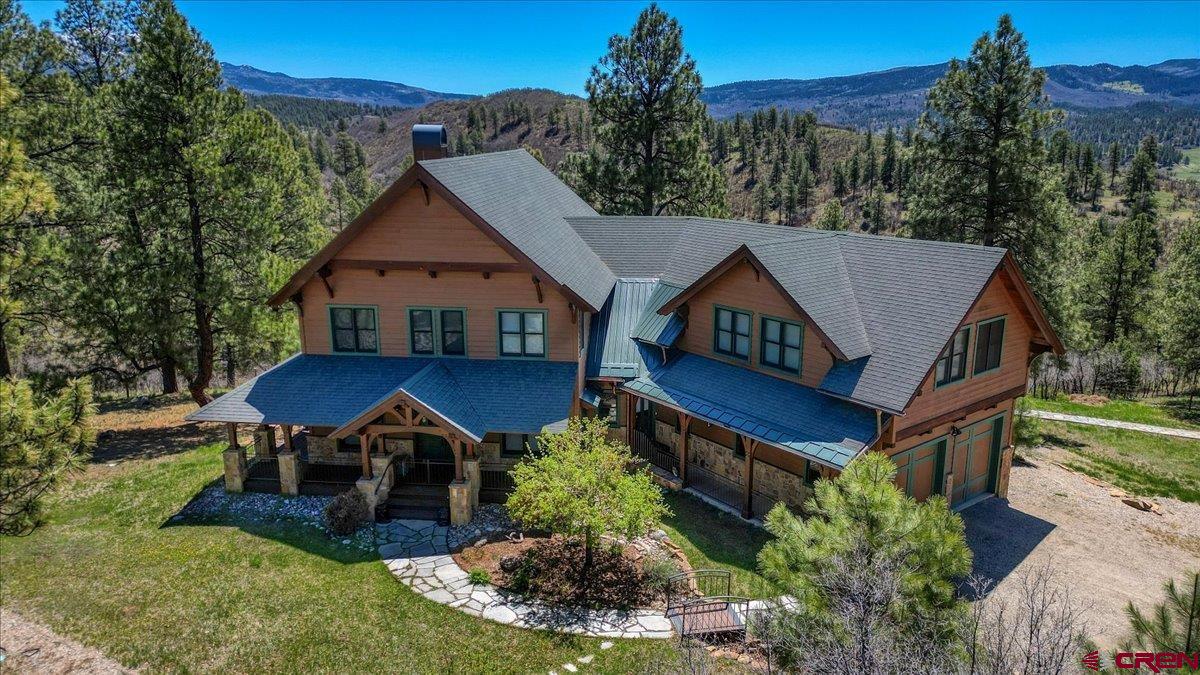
(784, 414)
(474, 395)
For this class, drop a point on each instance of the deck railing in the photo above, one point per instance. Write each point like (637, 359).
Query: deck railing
(654, 452)
(496, 478)
(714, 485)
(424, 472)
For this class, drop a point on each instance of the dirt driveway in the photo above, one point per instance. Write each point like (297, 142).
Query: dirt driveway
(1109, 553)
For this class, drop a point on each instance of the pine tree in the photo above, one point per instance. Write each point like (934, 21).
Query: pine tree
(1140, 181)
(1180, 313)
(1114, 162)
(1119, 284)
(875, 212)
(981, 173)
(651, 160)
(832, 217)
(887, 171)
(1174, 624)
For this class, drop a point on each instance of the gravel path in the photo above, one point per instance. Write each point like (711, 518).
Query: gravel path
(1115, 424)
(30, 647)
(1109, 553)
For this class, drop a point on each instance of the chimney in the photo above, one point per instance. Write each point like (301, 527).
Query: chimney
(429, 141)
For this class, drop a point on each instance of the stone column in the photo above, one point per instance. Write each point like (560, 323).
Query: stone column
(460, 502)
(474, 477)
(289, 473)
(235, 469)
(948, 489)
(264, 441)
(367, 487)
(1006, 460)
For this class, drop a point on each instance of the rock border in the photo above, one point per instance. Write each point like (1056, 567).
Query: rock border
(418, 555)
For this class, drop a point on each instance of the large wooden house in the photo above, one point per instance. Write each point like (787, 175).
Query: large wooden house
(479, 301)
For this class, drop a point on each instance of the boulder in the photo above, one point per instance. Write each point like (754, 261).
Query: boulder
(510, 563)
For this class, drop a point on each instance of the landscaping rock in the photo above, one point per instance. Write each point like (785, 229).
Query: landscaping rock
(658, 535)
(510, 563)
(1141, 504)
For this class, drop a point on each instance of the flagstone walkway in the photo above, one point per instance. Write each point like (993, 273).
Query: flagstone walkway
(417, 553)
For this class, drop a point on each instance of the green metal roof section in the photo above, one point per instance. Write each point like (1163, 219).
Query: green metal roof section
(785, 414)
(610, 351)
(655, 328)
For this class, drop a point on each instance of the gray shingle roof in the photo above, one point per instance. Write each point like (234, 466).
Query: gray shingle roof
(478, 395)
(526, 204)
(889, 304)
(785, 414)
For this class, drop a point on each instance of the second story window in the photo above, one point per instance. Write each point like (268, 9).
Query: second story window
(780, 346)
(952, 364)
(732, 333)
(522, 333)
(354, 330)
(434, 331)
(988, 343)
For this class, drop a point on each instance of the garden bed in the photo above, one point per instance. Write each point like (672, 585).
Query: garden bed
(624, 575)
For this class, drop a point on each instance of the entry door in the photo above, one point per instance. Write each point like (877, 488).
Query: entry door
(429, 446)
(919, 470)
(977, 460)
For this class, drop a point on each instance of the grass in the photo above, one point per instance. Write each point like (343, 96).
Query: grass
(1139, 463)
(1191, 170)
(714, 539)
(109, 571)
(1163, 412)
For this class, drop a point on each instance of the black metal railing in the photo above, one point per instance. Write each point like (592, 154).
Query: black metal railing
(496, 478)
(263, 468)
(714, 485)
(762, 503)
(413, 471)
(683, 587)
(654, 452)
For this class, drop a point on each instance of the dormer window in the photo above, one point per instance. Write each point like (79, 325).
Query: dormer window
(731, 336)
(988, 343)
(952, 364)
(780, 348)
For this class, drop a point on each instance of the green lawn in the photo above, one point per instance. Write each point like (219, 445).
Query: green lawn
(110, 571)
(714, 539)
(1163, 412)
(1139, 463)
(1191, 170)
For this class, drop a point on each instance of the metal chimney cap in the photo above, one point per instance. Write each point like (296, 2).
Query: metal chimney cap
(429, 141)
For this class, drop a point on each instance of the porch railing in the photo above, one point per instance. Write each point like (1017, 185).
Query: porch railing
(424, 472)
(654, 452)
(714, 485)
(496, 478)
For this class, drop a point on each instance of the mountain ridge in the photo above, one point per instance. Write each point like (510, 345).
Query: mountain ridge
(253, 80)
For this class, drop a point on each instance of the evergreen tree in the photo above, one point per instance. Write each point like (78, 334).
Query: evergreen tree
(832, 217)
(839, 181)
(1174, 624)
(981, 175)
(1119, 284)
(1140, 181)
(875, 212)
(1114, 163)
(1181, 301)
(651, 160)
(887, 171)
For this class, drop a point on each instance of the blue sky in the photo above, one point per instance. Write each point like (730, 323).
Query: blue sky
(483, 47)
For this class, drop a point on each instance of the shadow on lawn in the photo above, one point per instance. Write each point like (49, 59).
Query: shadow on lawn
(293, 521)
(1001, 537)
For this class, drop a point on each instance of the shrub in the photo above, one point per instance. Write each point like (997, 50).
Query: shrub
(346, 512)
(658, 570)
(479, 576)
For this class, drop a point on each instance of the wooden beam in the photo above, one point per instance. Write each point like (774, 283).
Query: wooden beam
(404, 429)
(537, 283)
(231, 432)
(298, 298)
(630, 404)
(324, 273)
(425, 190)
(456, 446)
(287, 437)
(364, 441)
(684, 421)
(954, 415)
(471, 450)
(749, 445)
(423, 266)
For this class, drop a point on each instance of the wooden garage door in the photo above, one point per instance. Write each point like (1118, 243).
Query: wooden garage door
(919, 470)
(977, 459)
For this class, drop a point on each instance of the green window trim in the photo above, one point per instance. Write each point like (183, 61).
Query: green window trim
(995, 341)
(523, 333)
(943, 377)
(437, 331)
(782, 344)
(732, 332)
(355, 329)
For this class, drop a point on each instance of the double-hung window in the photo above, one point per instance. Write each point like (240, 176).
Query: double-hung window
(434, 331)
(988, 341)
(780, 348)
(731, 336)
(952, 364)
(354, 329)
(522, 333)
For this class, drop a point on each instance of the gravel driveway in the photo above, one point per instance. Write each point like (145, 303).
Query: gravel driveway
(1108, 552)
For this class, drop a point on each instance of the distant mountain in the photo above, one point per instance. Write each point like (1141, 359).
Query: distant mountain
(896, 96)
(371, 92)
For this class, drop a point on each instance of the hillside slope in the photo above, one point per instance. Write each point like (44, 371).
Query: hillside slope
(355, 90)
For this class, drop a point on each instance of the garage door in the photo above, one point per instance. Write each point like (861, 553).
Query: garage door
(977, 459)
(918, 470)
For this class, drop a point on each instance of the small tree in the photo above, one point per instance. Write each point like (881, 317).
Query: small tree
(1172, 625)
(873, 574)
(578, 484)
(41, 442)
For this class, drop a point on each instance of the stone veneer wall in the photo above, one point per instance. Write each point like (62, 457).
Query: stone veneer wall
(780, 485)
(324, 449)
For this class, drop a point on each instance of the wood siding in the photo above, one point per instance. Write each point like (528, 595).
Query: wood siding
(411, 231)
(996, 301)
(739, 288)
